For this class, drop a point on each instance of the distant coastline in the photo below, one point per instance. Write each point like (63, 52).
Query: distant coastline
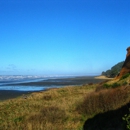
(64, 81)
(102, 77)
(71, 81)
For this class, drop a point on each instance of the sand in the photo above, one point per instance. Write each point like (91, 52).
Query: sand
(102, 77)
(9, 94)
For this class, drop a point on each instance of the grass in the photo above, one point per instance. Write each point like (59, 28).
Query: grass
(104, 100)
(54, 109)
(66, 108)
(125, 76)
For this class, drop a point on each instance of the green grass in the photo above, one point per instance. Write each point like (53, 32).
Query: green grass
(114, 85)
(125, 76)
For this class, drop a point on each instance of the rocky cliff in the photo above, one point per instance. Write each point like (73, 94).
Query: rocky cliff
(126, 66)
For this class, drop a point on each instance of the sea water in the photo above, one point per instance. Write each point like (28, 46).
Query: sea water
(38, 83)
(6, 81)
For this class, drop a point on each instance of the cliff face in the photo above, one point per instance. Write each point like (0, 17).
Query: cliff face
(126, 66)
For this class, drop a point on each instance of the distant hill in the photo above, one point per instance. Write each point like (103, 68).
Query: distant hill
(114, 70)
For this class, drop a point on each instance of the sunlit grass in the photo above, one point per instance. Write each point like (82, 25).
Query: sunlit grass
(62, 108)
(104, 100)
(50, 110)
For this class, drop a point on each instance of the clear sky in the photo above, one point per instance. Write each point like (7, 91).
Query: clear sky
(62, 37)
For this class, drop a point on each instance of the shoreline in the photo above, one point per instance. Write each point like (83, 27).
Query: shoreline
(10, 94)
(102, 77)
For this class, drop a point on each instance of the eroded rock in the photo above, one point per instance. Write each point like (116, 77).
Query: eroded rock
(126, 66)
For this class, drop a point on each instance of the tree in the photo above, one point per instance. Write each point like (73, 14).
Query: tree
(114, 70)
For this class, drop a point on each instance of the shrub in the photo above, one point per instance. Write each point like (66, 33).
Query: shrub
(102, 85)
(106, 86)
(127, 119)
(105, 100)
(114, 85)
(125, 83)
(125, 76)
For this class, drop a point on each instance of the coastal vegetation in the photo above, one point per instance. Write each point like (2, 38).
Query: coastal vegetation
(91, 107)
(114, 70)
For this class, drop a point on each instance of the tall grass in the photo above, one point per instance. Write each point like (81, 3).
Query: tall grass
(50, 117)
(104, 100)
(60, 109)
(50, 110)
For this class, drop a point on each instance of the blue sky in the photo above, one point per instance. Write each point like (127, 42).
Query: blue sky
(62, 37)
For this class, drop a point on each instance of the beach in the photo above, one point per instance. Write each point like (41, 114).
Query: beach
(102, 77)
(51, 83)
(10, 94)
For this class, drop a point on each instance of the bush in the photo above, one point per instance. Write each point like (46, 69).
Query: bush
(106, 86)
(102, 101)
(102, 85)
(114, 85)
(127, 119)
(125, 83)
(125, 76)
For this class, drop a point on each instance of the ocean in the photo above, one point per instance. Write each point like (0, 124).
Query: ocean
(38, 83)
(14, 82)
(17, 85)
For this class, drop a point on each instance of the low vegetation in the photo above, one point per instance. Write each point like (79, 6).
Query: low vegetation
(70, 108)
(126, 118)
(114, 70)
(105, 100)
(125, 76)
(54, 109)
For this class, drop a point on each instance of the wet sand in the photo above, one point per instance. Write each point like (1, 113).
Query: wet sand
(9, 94)
(64, 81)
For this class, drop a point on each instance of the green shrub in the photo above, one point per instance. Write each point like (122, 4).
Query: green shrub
(106, 86)
(114, 85)
(125, 76)
(127, 119)
(125, 83)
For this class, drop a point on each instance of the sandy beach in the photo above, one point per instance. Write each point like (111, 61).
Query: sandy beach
(102, 77)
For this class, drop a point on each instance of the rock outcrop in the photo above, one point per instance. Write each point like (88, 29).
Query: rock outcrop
(126, 66)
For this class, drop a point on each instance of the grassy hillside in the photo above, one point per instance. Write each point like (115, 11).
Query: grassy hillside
(69, 108)
(54, 109)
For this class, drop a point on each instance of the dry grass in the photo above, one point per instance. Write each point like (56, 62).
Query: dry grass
(61, 109)
(104, 100)
(50, 110)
